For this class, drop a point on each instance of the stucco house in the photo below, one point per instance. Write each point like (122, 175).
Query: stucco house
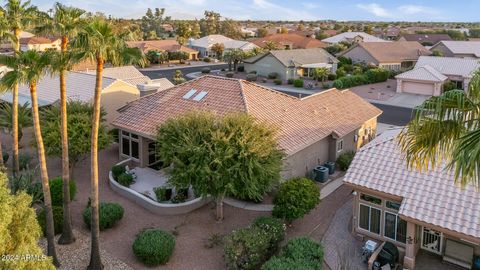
(425, 39)
(431, 73)
(291, 64)
(460, 49)
(203, 45)
(396, 56)
(290, 41)
(352, 37)
(419, 212)
(39, 44)
(118, 88)
(312, 130)
(166, 45)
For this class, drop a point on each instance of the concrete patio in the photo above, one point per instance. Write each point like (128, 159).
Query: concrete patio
(147, 179)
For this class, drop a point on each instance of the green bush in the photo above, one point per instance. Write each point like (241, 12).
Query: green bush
(282, 263)
(207, 60)
(153, 247)
(24, 161)
(229, 74)
(205, 70)
(332, 76)
(376, 75)
(272, 75)
(344, 160)
(350, 81)
(295, 198)
(56, 190)
(163, 193)
(117, 170)
(299, 253)
(274, 227)
(179, 80)
(449, 86)
(109, 214)
(340, 73)
(179, 198)
(290, 81)
(57, 219)
(5, 156)
(277, 81)
(251, 77)
(298, 83)
(325, 85)
(125, 179)
(344, 61)
(247, 248)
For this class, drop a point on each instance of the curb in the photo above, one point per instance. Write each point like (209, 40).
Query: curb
(248, 206)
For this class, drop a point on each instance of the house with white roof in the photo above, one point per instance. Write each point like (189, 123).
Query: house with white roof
(460, 49)
(203, 45)
(423, 213)
(431, 73)
(352, 37)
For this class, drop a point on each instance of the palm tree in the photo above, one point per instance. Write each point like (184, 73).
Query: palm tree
(234, 56)
(218, 49)
(101, 44)
(66, 22)
(16, 17)
(270, 45)
(447, 129)
(24, 117)
(28, 68)
(320, 73)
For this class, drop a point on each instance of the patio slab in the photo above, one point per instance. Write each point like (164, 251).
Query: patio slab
(148, 179)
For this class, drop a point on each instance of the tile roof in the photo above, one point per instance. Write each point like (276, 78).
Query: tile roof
(298, 57)
(169, 45)
(128, 74)
(428, 38)
(346, 36)
(297, 41)
(35, 40)
(423, 73)
(462, 47)
(301, 121)
(431, 197)
(464, 67)
(392, 52)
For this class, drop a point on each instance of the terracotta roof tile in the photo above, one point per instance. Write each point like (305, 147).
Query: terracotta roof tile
(297, 41)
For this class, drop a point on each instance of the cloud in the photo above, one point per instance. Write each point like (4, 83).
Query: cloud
(416, 9)
(375, 9)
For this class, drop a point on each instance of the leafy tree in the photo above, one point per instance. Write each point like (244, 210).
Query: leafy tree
(24, 117)
(101, 44)
(446, 128)
(262, 32)
(321, 74)
(231, 29)
(19, 230)
(183, 32)
(283, 30)
(218, 49)
(196, 30)
(218, 156)
(474, 33)
(295, 198)
(151, 23)
(437, 53)
(15, 17)
(156, 57)
(234, 57)
(211, 23)
(28, 68)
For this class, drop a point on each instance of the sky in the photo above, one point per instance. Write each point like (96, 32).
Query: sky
(380, 10)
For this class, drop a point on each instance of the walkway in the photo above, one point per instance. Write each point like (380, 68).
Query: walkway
(342, 250)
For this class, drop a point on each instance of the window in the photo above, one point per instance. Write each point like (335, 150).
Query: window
(369, 218)
(393, 205)
(395, 227)
(371, 199)
(130, 146)
(339, 145)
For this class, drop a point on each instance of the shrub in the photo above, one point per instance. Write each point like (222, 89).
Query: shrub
(290, 81)
(344, 60)
(295, 198)
(125, 179)
(117, 170)
(325, 85)
(350, 81)
(153, 247)
(57, 219)
(332, 77)
(56, 190)
(24, 160)
(109, 214)
(274, 227)
(179, 198)
(449, 86)
(340, 73)
(251, 77)
(272, 75)
(304, 249)
(179, 80)
(207, 60)
(344, 160)
(252, 72)
(282, 263)
(247, 248)
(163, 193)
(376, 75)
(277, 81)
(229, 74)
(36, 191)
(309, 85)
(241, 69)
(298, 83)
(205, 70)
(357, 70)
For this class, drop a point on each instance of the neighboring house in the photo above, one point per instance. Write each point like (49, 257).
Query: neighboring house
(414, 210)
(460, 49)
(249, 31)
(312, 130)
(166, 45)
(6, 46)
(431, 72)
(352, 37)
(330, 32)
(391, 33)
(116, 93)
(39, 44)
(426, 39)
(290, 41)
(396, 56)
(204, 45)
(291, 64)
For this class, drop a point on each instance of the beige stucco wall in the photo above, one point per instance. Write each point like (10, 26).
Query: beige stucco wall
(360, 55)
(41, 47)
(266, 65)
(116, 96)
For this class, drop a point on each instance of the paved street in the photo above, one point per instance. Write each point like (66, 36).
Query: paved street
(168, 73)
(393, 115)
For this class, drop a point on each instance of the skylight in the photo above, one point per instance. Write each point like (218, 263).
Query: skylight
(189, 94)
(200, 96)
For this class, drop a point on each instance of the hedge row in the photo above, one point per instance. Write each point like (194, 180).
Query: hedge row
(375, 75)
(299, 253)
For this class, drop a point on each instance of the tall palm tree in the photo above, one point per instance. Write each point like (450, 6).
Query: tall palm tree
(66, 22)
(447, 129)
(101, 44)
(17, 16)
(28, 68)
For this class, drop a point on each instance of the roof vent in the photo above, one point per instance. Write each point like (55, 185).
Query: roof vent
(200, 96)
(189, 94)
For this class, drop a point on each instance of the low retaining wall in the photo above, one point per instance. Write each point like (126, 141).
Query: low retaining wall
(153, 206)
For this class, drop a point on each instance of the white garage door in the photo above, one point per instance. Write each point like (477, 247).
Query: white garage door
(418, 88)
